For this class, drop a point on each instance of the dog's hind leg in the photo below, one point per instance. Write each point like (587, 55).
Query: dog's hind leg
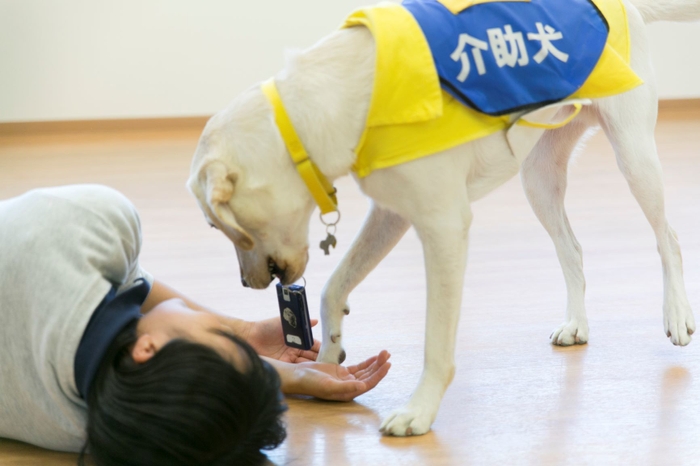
(380, 233)
(629, 120)
(543, 176)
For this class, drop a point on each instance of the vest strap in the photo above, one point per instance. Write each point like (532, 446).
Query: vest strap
(532, 124)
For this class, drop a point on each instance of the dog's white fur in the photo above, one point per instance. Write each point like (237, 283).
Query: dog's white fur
(247, 186)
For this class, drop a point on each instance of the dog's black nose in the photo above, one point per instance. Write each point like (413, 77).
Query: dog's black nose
(244, 283)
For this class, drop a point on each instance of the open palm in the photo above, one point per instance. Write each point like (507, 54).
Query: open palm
(341, 383)
(267, 339)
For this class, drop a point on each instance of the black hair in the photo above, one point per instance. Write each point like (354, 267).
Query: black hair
(186, 406)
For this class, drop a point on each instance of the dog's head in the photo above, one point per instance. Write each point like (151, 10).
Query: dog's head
(247, 187)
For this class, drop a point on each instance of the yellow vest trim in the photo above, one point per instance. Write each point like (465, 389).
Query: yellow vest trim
(612, 75)
(457, 6)
(318, 185)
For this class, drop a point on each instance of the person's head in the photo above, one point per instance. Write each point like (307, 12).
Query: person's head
(177, 388)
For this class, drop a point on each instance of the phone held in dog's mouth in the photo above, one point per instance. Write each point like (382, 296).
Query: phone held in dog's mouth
(294, 312)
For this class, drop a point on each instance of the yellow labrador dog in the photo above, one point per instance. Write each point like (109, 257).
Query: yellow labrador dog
(248, 187)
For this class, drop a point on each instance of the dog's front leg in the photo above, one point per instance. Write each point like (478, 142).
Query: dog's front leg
(380, 233)
(444, 235)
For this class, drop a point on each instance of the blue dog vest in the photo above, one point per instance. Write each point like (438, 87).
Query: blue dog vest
(504, 57)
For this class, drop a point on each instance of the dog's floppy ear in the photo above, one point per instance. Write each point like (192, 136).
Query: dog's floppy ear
(220, 183)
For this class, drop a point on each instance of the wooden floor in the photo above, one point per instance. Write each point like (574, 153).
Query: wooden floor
(628, 397)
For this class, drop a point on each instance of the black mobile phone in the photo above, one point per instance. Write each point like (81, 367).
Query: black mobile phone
(294, 313)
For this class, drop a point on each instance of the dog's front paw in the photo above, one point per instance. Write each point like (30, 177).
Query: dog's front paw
(331, 352)
(570, 333)
(332, 313)
(408, 420)
(679, 323)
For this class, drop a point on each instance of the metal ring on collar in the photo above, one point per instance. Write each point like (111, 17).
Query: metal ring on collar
(329, 224)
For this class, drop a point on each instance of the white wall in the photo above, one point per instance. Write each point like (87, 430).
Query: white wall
(84, 59)
(675, 49)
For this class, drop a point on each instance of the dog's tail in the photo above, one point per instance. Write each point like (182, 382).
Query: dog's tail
(668, 10)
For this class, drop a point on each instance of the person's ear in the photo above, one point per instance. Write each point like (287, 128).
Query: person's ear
(144, 349)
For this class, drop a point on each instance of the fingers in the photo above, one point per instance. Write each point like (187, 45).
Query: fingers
(348, 390)
(306, 356)
(381, 361)
(297, 356)
(364, 364)
(361, 366)
(381, 358)
(373, 379)
(376, 372)
(333, 382)
(314, 322)
(311, 354)
(367, 375)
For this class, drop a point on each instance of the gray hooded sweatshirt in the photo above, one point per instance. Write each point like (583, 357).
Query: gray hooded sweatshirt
(61, 251)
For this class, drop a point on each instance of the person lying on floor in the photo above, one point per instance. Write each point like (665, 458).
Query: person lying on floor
(97, 356)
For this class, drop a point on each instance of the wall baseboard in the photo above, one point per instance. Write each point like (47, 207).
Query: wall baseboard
(679, 105)
(671, 107)
(103, 126)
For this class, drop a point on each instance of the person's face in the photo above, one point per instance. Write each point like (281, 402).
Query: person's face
(171, 320)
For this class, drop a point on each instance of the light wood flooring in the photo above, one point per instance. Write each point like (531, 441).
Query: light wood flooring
(628, 397)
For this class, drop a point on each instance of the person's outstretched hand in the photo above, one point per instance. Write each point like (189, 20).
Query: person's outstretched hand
(267, 339)
(338, 383)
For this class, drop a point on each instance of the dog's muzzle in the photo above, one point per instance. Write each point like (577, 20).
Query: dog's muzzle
(275, 270)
